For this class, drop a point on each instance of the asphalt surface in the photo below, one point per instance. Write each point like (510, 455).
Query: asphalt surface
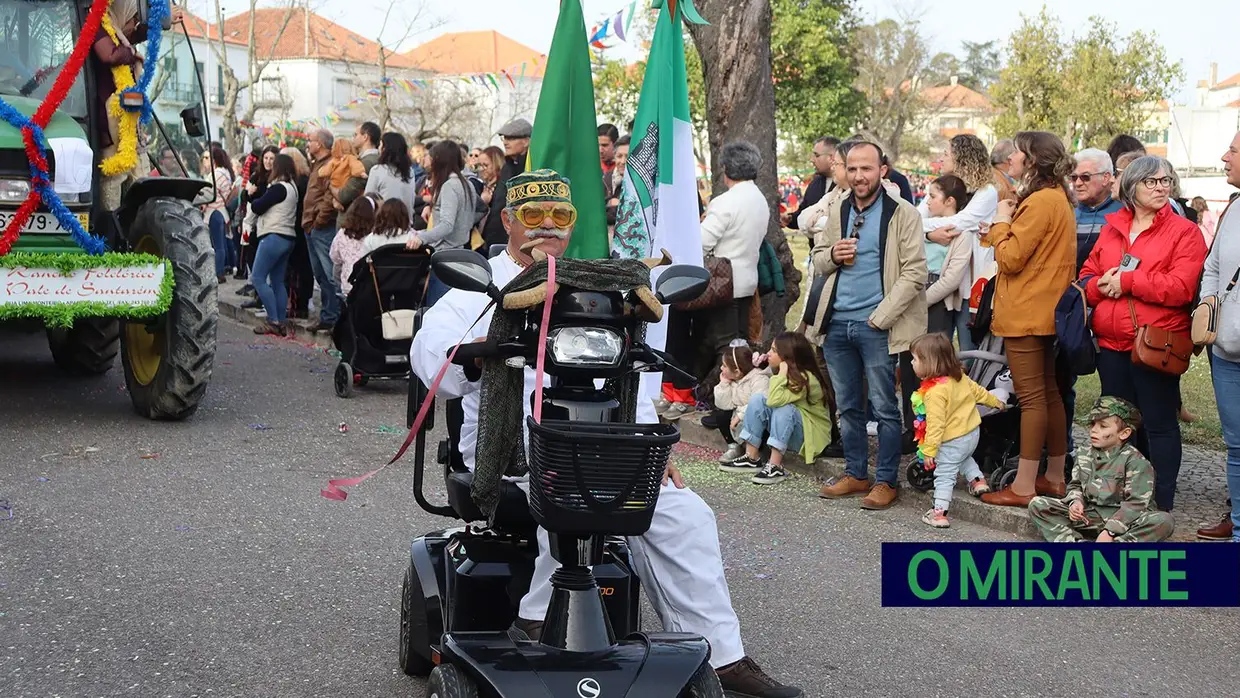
(198, 558)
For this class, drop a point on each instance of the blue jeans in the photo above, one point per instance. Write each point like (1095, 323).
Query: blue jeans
(219, 240)
(963, 336)
(320, 243)
(857, 355)
(783, 424)
(955, 458)
(435, 289)
(270, 264)
(1226, 386)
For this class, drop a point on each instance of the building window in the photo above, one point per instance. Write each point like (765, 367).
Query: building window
(342, 91)
(272, 90)
(219, 85)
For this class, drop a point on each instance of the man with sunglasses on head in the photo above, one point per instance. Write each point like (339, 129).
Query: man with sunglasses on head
(678, 559)
(1092, 182)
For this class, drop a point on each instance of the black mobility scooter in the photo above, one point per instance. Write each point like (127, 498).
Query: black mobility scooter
(592, 480)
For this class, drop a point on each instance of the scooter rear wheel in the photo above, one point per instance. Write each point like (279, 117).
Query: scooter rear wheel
(705, 684)
(447, 681)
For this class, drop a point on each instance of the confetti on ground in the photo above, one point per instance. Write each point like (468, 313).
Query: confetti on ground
(259, 427)
(183, 528)
(6, 510)
(391, 430)
(43, 479)
(149, 456)
(344, 428)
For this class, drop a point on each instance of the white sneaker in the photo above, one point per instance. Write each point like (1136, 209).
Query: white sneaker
(871, 428)
(734, 451)
(677, 410)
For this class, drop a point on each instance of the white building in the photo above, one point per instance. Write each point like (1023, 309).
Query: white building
(461, 85)
(1200, 132)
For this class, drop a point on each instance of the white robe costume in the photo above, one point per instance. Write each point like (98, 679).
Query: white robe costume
(678, 560)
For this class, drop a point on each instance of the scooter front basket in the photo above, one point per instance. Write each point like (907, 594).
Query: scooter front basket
(589, 478)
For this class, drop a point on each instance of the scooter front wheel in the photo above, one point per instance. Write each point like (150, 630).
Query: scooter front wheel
(705, 683)
(447, 681)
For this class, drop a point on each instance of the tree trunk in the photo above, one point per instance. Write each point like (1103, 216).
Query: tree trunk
(740, 103)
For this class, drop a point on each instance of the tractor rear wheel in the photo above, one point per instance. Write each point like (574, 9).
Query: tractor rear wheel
(168, 359)
(86, 349)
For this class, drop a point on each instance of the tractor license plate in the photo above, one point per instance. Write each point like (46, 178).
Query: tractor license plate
(42, 222)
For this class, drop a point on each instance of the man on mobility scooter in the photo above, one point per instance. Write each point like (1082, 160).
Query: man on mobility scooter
(679, 557)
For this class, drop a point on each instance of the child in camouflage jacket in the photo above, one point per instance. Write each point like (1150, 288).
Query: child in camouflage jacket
(1112, 488)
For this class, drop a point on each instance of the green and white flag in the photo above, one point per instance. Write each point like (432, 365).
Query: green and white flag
(659, 199)
(565, 136)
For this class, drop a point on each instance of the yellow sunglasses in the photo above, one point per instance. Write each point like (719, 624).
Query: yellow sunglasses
(532, 215)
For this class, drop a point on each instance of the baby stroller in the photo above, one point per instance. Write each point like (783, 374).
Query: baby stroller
(381, 315)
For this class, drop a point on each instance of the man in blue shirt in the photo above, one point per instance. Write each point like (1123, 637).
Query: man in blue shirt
(1091, 181)
(872, 258)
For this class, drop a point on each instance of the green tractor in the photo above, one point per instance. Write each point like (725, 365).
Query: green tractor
(152, 296)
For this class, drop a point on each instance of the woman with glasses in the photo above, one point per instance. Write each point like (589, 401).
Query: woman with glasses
(1144, 271)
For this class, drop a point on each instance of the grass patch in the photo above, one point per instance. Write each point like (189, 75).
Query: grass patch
(799, 244)
(1197, 391)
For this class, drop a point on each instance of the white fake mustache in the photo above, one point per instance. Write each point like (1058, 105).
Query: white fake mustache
(544, 234)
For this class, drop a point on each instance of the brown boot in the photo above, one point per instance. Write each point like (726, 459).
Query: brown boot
(881, 497)
(847, 486)
(745, 679)
(1219, 531)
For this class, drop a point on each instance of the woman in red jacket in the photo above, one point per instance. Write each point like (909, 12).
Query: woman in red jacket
(1157, 282)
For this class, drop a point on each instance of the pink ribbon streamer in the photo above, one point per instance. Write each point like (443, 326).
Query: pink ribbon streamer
(542, 341)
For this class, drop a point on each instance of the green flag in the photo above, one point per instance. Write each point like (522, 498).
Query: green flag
(565, 135)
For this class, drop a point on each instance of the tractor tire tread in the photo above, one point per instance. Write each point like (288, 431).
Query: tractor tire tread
(89, 348)
(182, 382)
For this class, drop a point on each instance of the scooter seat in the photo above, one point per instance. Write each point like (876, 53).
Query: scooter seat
(512, 513)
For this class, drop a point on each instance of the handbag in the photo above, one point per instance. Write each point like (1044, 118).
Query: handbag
(1204, 328)
(719, 291)
(1158, 349)
(397, 324)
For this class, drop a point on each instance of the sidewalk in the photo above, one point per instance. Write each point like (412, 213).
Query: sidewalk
(230, 307)
(1200, 498)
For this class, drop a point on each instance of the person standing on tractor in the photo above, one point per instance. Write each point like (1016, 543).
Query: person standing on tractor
(107, 54)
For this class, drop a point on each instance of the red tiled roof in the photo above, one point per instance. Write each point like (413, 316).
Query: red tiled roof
(461, 53)
(198, 28)
(955, 97)
(307, 35)
(1232, 81)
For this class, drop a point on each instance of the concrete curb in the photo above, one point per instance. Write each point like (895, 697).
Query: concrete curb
(964, 508)
(230, 307)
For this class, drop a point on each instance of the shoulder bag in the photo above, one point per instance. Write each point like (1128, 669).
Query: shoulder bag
(719, 291)
(1158, 349)
(1204, 328)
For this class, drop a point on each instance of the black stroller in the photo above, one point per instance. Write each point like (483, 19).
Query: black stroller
(382, 313)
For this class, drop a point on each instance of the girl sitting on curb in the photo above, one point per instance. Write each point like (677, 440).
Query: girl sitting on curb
(793, 412)
(740, 379)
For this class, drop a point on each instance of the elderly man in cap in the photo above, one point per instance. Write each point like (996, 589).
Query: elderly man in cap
(516, 137)
(1111, 494)
(678, 559)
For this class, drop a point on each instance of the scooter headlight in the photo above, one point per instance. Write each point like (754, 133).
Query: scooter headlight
(585, 346)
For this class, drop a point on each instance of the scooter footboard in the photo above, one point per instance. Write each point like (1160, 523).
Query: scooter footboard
(655, 665)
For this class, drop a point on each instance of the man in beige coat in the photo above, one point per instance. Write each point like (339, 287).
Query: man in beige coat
(870, 252)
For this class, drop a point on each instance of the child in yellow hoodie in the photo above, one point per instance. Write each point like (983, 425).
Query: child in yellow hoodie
(947, 424)
(792, 414)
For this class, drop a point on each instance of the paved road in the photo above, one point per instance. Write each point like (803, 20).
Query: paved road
(198, 559)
